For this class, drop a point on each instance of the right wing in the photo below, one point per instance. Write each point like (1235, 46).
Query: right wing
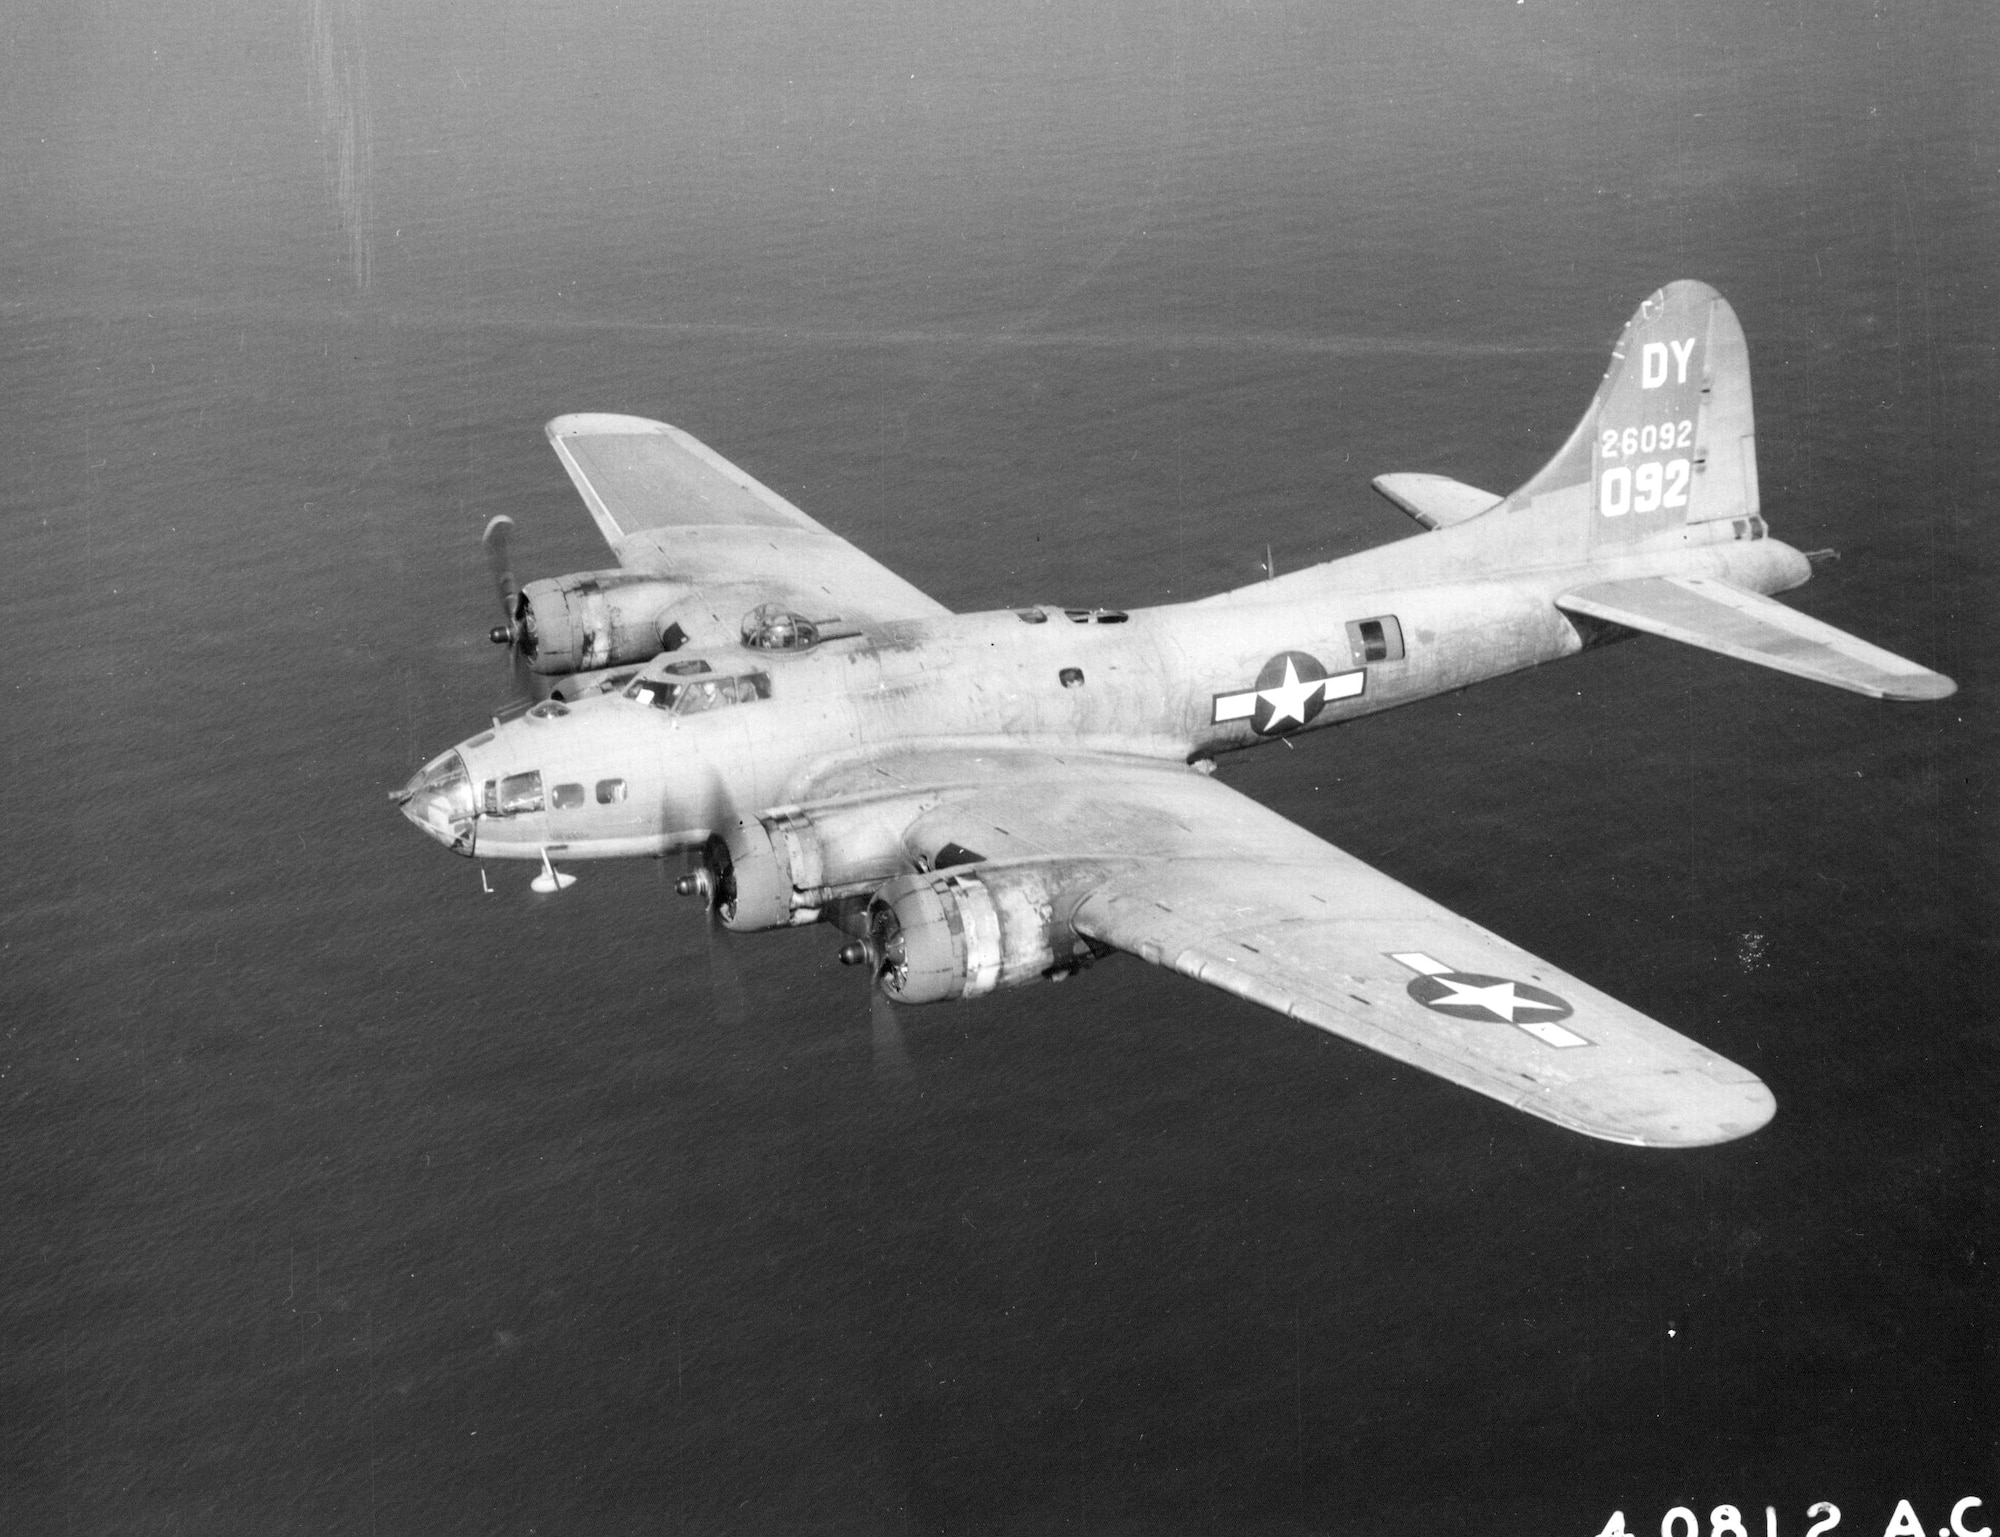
(1336, 944)
(1716, 616)
(672, 506)
(1186, 873)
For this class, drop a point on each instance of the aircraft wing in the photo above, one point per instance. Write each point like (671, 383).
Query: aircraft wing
(1753, 628)
(1189, 874)
(672, 506)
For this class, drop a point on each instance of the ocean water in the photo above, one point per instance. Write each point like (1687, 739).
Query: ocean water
(342, 1196)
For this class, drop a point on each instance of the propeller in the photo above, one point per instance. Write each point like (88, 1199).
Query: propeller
(710, 875)
(728, 1004)
(891, 1056)
(885, 1036)
(512, 632)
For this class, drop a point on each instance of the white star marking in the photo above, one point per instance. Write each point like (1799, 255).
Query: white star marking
(1500, 997)
(1288, 700)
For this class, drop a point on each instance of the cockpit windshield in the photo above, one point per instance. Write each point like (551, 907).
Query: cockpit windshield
(692, 695)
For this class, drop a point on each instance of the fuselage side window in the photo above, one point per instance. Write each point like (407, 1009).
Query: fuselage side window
(566, 797)
(521, 793)
(610, 791)
(1375, 640)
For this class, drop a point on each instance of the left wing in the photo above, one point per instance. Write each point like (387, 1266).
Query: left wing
(1187, 873)
(670, 505)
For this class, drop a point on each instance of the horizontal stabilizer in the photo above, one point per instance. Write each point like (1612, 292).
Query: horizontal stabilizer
(1435, 500)
(1746, 625)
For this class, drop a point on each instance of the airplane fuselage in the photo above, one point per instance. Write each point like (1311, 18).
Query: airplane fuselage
(1180, 682)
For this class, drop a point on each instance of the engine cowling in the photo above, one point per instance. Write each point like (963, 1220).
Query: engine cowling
(595, 619)
(787, 867)
(964, 932)
(766, 873)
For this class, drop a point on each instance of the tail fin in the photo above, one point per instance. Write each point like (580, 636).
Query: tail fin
(1670, 439)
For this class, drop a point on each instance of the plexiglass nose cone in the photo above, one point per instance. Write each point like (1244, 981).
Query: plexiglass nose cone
(438, 799)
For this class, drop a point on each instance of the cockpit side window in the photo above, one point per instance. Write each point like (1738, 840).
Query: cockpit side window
(705, 694)
(521, 793)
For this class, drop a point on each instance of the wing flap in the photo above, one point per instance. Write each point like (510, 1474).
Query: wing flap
(1700, 611)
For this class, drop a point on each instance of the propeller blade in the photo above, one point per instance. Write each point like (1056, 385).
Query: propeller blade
(893, 1072)
(498, 540)
(728, 1004)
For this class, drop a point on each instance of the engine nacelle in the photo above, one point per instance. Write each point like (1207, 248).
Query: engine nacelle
(766, 873)
(964, 932)
(596, 619)
(786, 867)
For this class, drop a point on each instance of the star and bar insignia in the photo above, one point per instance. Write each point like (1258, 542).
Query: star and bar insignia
(1469, 995)
(1291, 689)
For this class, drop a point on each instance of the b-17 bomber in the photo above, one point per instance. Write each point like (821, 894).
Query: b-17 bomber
(989, 800)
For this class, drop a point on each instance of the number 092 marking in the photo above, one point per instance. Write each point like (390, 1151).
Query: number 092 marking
(1645, 487)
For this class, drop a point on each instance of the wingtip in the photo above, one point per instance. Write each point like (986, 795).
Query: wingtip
(1925, 686)
(1733, 1112)
(1721, 1111)
(582, 423)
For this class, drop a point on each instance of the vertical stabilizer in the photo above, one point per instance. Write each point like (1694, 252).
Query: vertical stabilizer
(1670, 439)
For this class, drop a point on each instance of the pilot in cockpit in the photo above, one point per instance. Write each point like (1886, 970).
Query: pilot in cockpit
(689, 688)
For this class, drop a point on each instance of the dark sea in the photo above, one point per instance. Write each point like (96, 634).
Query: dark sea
(343, 1197)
